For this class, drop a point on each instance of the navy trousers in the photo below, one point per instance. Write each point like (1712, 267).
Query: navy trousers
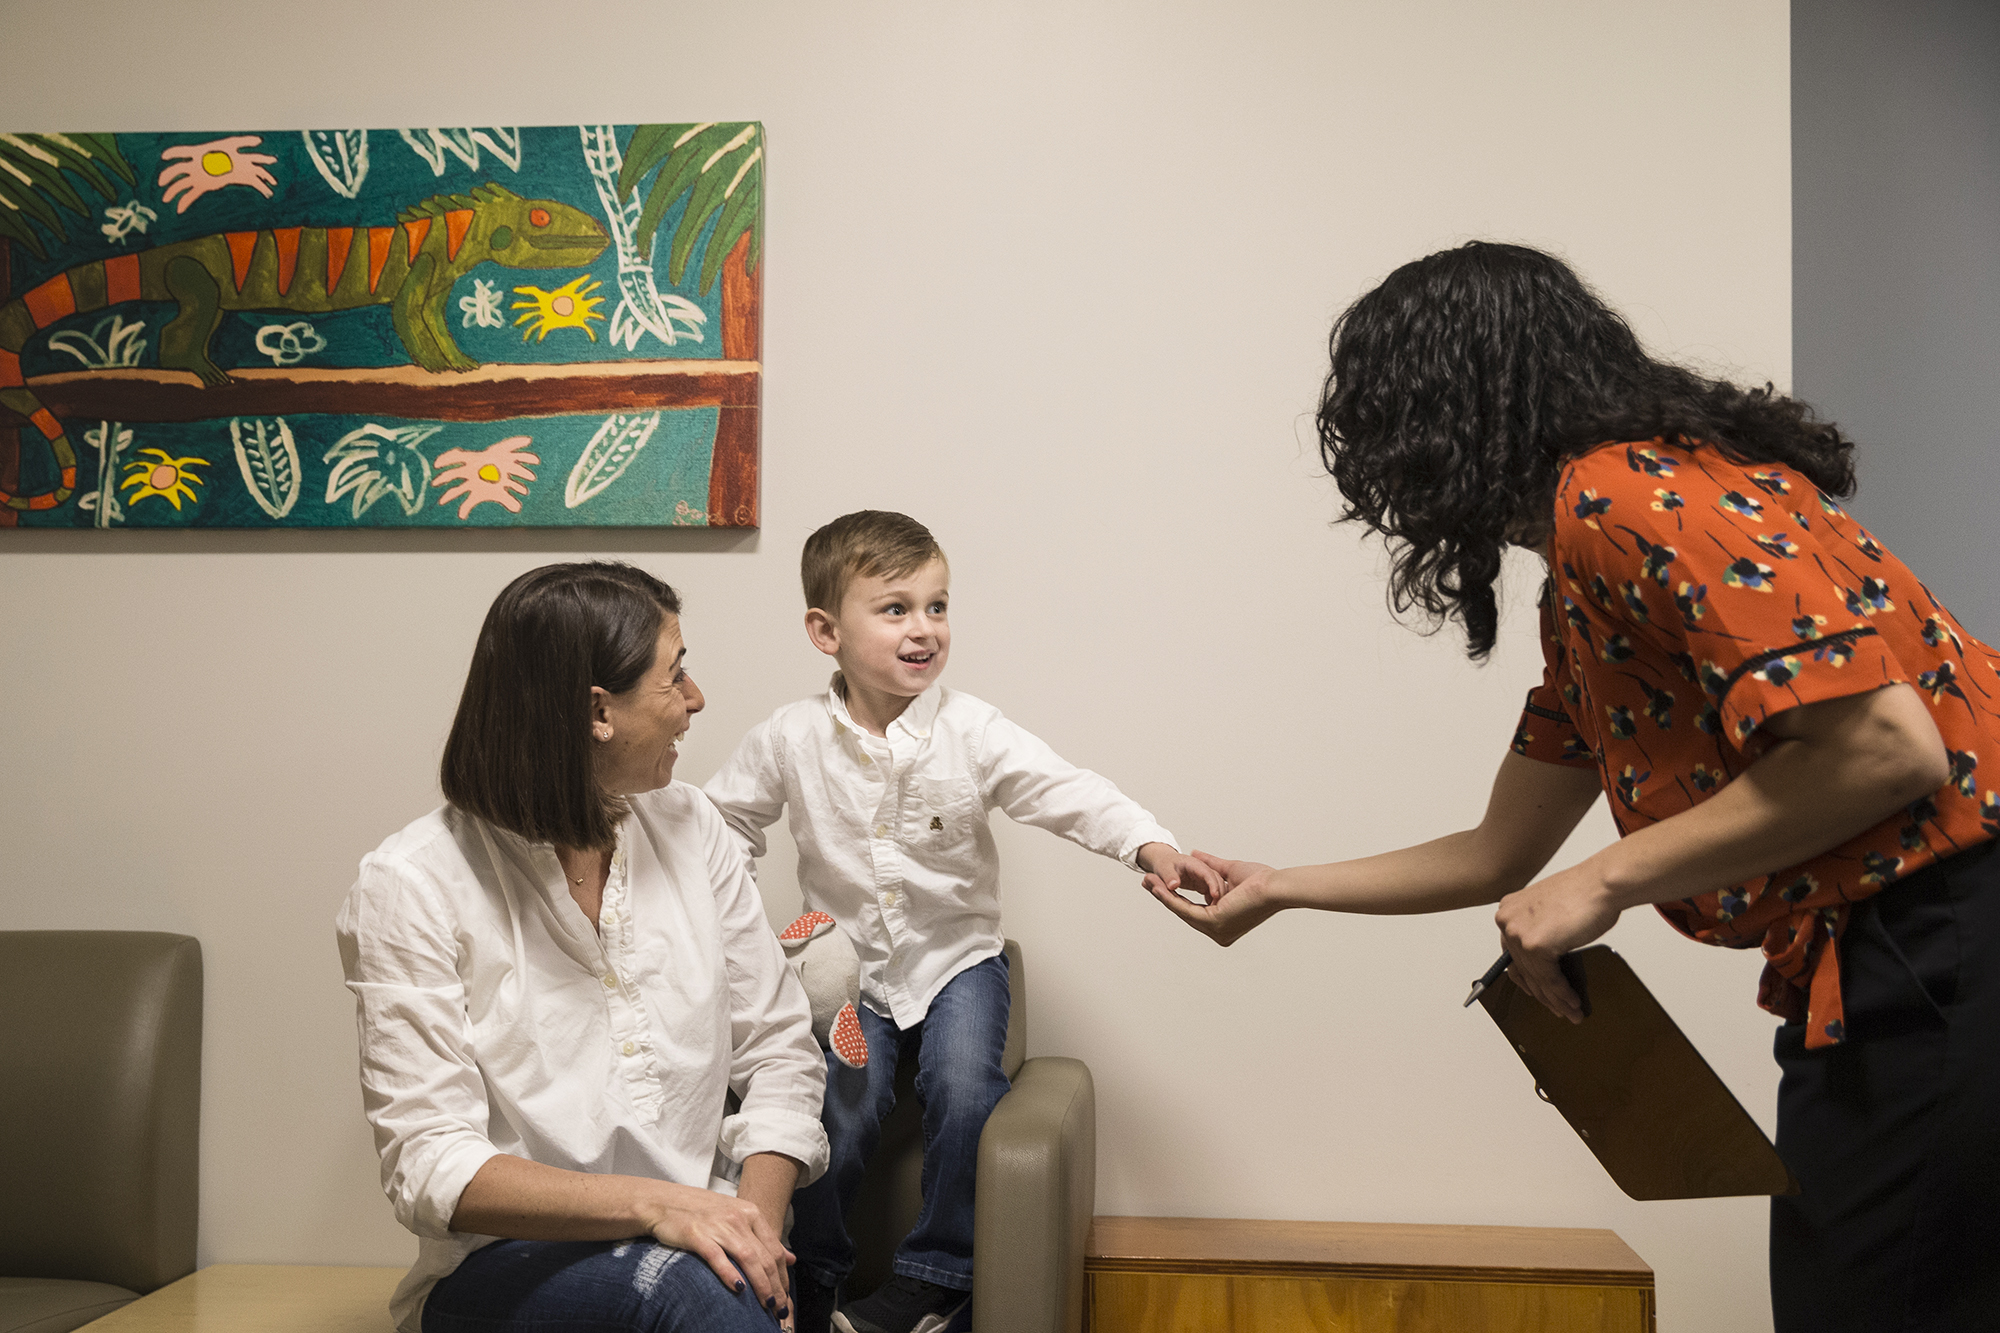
(1894, 1134)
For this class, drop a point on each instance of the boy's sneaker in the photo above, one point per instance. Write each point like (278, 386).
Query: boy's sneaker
(903, 1305)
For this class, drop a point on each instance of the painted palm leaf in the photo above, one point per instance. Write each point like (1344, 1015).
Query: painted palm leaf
(268, 458)
(610, 451)
(33, 186)
(719, 168)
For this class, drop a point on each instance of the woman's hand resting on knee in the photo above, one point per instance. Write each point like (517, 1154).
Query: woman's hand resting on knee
(736, 1237)
(727, 1234)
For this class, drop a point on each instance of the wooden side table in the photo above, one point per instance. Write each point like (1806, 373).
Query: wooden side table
(262, 1298)
(1227, 1275)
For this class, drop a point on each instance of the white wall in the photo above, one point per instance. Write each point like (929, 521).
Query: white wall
(1055, 278)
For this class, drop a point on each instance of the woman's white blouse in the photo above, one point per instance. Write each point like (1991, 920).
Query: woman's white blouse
(494, 1019)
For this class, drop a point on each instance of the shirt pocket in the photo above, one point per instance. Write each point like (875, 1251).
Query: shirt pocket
(939, 820)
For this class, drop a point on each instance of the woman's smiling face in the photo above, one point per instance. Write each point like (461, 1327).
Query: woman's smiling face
(636, 733)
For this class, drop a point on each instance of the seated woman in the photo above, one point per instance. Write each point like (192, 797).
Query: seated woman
(1788, 726)
(560, 976)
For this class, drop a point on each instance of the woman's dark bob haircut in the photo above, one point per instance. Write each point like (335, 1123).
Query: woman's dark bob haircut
(1462, 384)
(519, 754)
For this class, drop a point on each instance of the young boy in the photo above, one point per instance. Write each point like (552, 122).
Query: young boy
(888, 777)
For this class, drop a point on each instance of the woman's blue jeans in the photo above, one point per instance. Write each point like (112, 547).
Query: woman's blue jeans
(958, 1047)
(578, 1286)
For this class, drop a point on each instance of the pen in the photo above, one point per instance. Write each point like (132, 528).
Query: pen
(1493, 974)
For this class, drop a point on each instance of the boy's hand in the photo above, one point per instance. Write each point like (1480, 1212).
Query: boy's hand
(1242, 905)
(1169, 870)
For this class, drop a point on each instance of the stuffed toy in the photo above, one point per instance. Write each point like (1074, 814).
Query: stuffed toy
(826, 965)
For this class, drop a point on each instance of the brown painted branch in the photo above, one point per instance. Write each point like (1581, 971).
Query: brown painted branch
(733, 467)
(742, 304)
(490, 393)
(732, 475)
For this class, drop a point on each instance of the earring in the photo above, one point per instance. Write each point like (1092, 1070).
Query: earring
(603, 733)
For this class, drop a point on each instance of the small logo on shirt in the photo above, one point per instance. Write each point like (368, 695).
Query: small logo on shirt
(937, 823)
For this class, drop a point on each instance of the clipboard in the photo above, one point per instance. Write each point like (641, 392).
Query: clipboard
(1634, 1088)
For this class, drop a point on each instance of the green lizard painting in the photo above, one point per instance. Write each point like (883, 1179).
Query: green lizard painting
(335, 327)
(409, 267)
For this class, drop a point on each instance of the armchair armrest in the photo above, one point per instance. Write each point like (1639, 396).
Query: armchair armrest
(1037, 1194)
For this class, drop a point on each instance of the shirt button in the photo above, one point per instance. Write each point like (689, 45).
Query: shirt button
(610, 981)
(865, 760)
(609, 916)
(881, 830)
(889, 898)
(628, 1048)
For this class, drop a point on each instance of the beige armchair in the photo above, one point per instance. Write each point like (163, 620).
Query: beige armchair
(100, 1103)
(1037, 1188)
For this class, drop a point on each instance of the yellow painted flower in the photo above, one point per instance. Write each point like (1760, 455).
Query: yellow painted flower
(570, 306)
(165, 476)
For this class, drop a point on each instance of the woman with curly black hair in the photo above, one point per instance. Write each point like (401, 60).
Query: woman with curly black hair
(1787, 725)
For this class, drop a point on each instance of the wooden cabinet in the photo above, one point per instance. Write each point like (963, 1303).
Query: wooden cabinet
(1224, 1275)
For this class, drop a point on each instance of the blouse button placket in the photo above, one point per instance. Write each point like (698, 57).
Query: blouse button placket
(628, 1026)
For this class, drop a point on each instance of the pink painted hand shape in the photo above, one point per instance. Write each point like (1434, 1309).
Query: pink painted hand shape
(491, 474)
(203, 168)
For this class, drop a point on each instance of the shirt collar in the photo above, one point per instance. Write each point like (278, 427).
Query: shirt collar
(917, 719)
(541, 853)
(922, 713)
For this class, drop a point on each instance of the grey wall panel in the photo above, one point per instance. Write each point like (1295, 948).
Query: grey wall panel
(1896, 271)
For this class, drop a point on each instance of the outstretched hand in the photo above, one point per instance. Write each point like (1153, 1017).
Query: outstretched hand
(1174, 871)
(1237, 901)
(1541, 923)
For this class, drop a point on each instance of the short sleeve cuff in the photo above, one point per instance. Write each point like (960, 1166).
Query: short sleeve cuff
(1550, 736)
(1854, 661)
(799, 1137)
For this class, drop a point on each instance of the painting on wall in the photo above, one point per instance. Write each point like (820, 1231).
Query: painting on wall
(443, 327)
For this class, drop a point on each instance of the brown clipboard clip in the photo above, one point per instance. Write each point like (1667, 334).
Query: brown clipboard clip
(1635, 1089)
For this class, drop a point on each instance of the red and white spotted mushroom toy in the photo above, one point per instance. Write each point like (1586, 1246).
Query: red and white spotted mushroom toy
(827, 966)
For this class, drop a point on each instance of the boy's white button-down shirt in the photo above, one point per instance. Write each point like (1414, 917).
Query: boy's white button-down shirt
(494, 1019)
(892, 830)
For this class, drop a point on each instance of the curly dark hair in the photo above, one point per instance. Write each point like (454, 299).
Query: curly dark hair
(1462, 384)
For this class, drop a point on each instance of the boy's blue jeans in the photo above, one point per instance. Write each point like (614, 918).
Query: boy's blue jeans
(957, 1047)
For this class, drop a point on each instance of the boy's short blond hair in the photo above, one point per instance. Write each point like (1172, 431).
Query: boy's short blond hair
(869, 543)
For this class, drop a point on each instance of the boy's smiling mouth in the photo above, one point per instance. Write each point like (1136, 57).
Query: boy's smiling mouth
(916, 659)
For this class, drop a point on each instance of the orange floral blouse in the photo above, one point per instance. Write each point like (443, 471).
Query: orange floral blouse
(1689, 599)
